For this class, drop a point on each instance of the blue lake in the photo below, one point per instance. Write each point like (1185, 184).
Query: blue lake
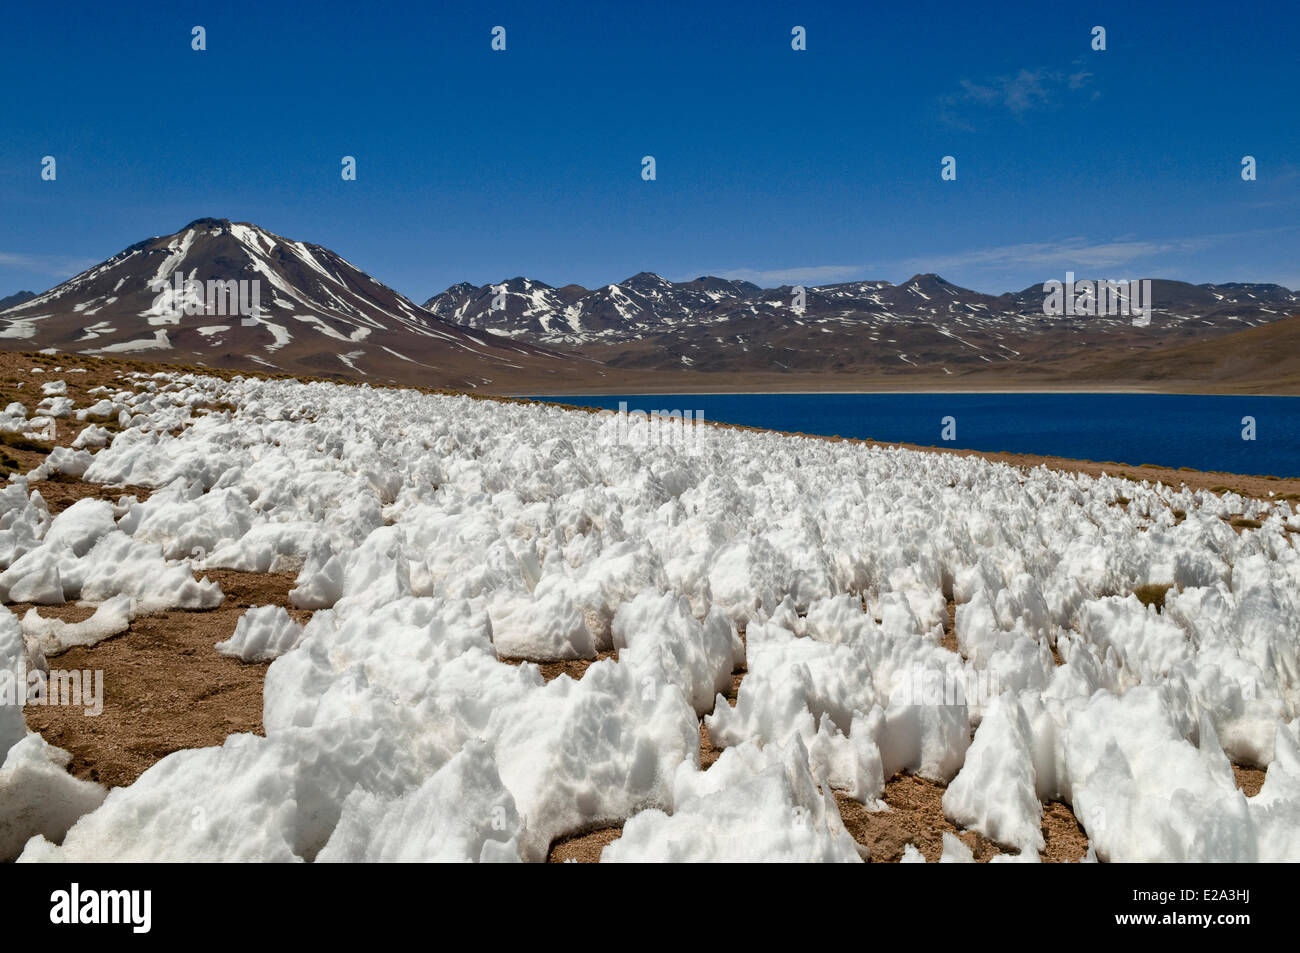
(1174, 430)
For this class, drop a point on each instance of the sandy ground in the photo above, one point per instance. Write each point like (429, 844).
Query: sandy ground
(165, 686)
(1249, 780)
(59, 492)
(585, 848)
(551, 670)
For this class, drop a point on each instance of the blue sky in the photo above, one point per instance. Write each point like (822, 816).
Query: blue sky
(773, 165)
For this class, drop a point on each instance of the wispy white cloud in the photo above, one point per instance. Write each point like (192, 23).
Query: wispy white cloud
(1018, 93)
(1068, 252)
(1000, 261)
(1071, 252)
(810, 275)
(59, 266)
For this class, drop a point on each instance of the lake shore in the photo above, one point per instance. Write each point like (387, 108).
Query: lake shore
(634, 381)
(15, 369)
(1257, 486)
(1248, 485)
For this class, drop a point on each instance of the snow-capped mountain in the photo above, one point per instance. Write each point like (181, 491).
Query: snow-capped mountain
(522, 307)
(717, 324)
(231, 294)
(17, 298)
(531, 306)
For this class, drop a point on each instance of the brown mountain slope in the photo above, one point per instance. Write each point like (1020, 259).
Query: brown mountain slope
(232, 295)
(1263, 359)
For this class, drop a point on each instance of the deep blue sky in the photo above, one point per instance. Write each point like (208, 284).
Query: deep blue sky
(773, 165)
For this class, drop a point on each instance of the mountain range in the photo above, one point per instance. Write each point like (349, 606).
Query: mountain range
(174, 298)
(717, 324)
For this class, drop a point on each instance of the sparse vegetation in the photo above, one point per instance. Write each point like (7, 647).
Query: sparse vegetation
(1153, 594)
(216, 406)
(18, 442)
(108, 421)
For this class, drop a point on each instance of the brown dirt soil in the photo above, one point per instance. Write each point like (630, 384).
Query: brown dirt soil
(1249, 780)
(583, 848)
(165, 689)
(709, 752)
(949, 640)
(1067, 842)
(244, 590)
(82, 374)
(59, 492)
(574, 668)
(917, 818)
(21, 382)
(68, 612)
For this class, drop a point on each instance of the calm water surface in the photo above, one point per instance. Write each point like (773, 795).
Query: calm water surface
(1174, 430)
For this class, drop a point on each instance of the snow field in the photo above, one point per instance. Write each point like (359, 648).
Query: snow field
(435, 536)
